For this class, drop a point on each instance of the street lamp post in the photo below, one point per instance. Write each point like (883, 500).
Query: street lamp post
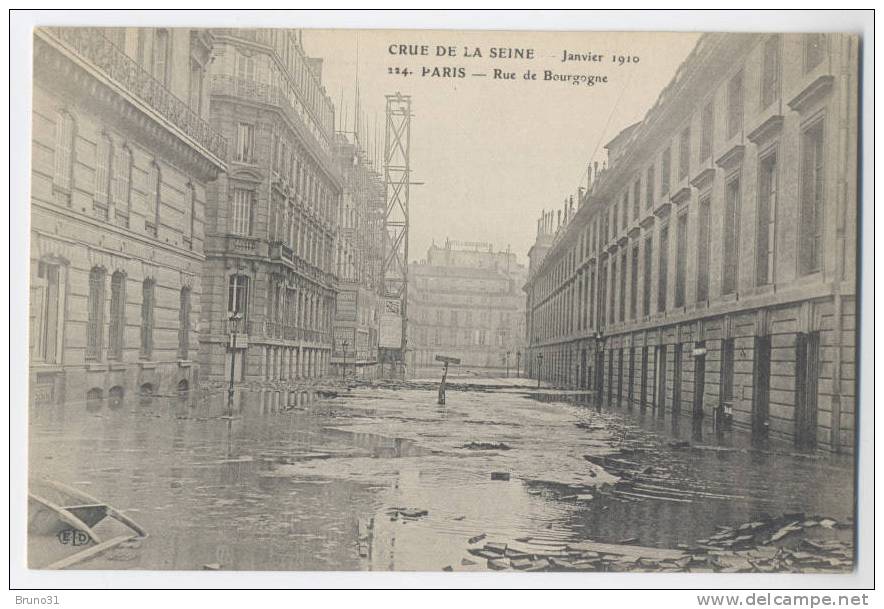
(506, 360)
(539, 368)
(234, 320)
(344, 343)
(518, 363)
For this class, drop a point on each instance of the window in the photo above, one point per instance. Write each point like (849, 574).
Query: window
(731, 235)
(646, 278)
(189, 215)
(245, 67)
(633, 283)
(195, 93)
(613, 290)
(766, 216)
(665, 171)
(162, 46)
(810, 218)
(814, 50)
(95, 321)
(636, 198)
(770, 71)
(727, 369)
(47, 313)
(117, 330)
(615, 215)
(703, 248)
(63, 175)
(684, 153)
(238, 296)
(662, 274)
(103, 162)
(649, 188)
(245, 143)
(625, 219)
(807, 374)
(707, 128)
(184, 323)
(622, 297)
(147, 317)
(681, 251)
(122, 185)
(735, 104)
(242, 211)
(152, 215)
(592, 298)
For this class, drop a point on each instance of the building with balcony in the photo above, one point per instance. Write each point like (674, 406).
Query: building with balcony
(359, 257)
(464, 301)
(271, 221)
(710, 269)
(122, 156)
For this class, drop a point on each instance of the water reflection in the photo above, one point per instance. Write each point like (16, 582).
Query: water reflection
(294, 481)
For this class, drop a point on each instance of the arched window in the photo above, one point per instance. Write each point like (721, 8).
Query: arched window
(147, 317)
(115, 397)
(122, 182)
(94, 399)
(65, 155)
(183, 390)
(152, 213)
(145, 394)
(95, 322)
(103, 163)
(117, 331)
(184, 323)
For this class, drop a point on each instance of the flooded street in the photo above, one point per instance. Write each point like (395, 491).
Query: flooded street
(383, 478)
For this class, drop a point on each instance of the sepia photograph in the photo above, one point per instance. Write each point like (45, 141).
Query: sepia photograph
(441, 300)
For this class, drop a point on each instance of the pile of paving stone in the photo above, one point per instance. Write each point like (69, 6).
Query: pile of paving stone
(790, 543)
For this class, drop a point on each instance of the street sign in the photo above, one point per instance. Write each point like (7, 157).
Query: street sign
(238, 341)
(447, 360)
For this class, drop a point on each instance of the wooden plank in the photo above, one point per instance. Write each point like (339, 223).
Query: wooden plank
(89, 552)
(111, 511)
(627, 550)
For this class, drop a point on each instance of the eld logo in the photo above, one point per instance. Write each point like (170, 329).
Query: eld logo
(74, 537)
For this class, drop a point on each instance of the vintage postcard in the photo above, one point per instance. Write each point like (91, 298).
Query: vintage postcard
(442, 300)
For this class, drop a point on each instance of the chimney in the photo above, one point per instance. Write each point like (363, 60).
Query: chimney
(595, 171)
(580, 191)
(560, 219)
(588, 176)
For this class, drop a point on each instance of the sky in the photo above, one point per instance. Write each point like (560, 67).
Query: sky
(492, 153)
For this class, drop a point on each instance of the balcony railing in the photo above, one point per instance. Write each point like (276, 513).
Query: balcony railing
(94, 48)
(226, 84)
(269, 329)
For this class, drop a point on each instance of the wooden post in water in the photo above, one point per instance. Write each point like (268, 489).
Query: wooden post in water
(445, 361)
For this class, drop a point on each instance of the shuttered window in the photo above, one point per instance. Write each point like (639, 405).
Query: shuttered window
(117, 329)
(95, 320)
(64, 157)
(147, 317)
(103, 163)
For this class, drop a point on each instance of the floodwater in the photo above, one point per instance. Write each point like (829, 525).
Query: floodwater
(300, 482)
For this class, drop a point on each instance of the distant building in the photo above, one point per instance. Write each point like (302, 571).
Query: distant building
(465, 301)
(272, 218)
(711, 268)
(122, 156)
(359, 256)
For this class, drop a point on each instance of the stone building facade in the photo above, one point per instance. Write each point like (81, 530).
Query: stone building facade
(272, 218)
(122, 156)
(465, 301)
(710, 269)
(359, 256)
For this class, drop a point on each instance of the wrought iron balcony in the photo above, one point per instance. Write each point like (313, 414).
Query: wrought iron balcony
(91, 45)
